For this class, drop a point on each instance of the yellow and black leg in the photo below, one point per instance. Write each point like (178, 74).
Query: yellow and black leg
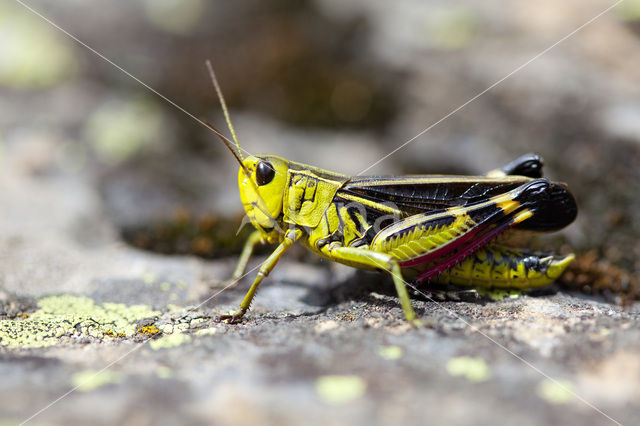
(264, 270)
(373, 259)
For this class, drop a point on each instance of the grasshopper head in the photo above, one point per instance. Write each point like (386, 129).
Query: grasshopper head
(262, 181)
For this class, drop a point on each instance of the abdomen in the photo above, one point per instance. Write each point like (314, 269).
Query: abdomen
(496, 266)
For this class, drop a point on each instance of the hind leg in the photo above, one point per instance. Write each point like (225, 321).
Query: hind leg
(529, 165)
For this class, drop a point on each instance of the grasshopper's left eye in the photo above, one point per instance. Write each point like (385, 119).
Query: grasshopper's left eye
(264, 173)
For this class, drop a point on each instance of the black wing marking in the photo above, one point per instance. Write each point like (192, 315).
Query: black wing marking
(423, 194)
(412, 195)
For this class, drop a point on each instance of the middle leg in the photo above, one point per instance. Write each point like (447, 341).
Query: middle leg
(373, 259)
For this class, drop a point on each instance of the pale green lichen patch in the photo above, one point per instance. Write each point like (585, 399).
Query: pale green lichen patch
(473, 369)
(123, 127)
(89, 380)
(164, 372)
(390, 352)
(148, 278)
(174, 308)
(66, 316)
(335, 389)
(169, 341)
(556, 391)
(452, 27)
(207, 332)
(194, 322)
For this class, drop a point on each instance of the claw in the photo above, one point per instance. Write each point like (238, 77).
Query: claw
(234, 317)
(416, 323)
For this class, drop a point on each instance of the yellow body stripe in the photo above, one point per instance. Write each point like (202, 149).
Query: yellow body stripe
(433, 179)
(369, 203)
(507, 206)
(421, 240)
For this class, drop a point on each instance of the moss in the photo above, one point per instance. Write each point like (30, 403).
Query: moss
(69, 316)
(207, 236)
(592, 274)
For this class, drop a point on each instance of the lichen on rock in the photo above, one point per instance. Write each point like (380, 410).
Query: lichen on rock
(65, 318)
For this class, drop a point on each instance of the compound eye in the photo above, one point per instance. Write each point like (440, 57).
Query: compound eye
(264, 173)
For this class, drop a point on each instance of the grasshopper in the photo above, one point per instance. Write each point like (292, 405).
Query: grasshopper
(423, 228)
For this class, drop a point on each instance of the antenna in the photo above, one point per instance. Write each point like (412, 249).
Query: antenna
(224, 109)
(227, 142)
